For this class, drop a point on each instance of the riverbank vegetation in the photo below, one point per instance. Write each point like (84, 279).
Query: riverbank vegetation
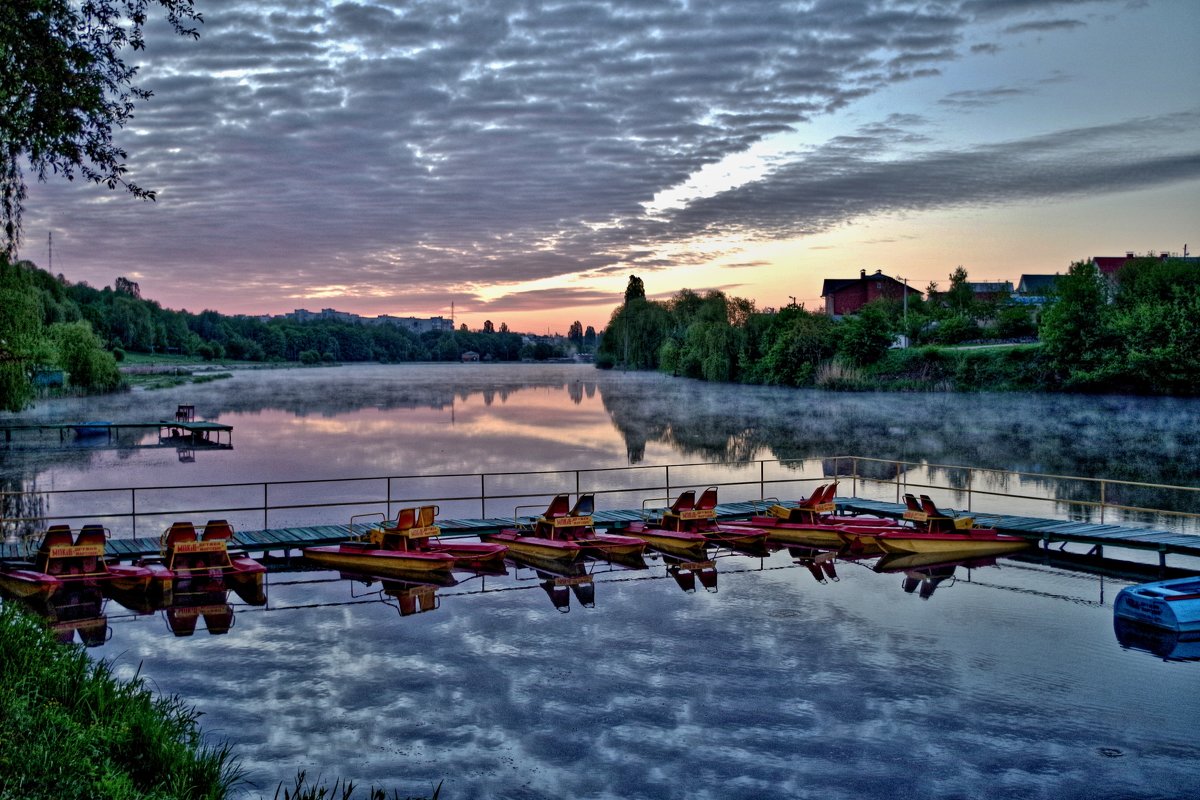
(54, 332)
(1136, 333)
(73, 730)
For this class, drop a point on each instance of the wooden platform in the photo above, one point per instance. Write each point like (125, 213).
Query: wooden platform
(1045, 531)
(201, 431)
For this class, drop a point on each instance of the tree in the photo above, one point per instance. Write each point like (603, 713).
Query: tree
(636, 290)
(488, 327)
(1076, 330)
(866, 336)
(82, 355)
(22, 343)
(64, 88)
(575, 334)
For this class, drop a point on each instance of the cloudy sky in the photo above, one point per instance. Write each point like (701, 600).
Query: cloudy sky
(520, 159)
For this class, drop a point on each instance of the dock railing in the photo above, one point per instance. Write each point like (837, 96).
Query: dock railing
(147, 510)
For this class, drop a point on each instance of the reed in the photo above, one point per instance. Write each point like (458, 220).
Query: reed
(75, 730)
(303, 789)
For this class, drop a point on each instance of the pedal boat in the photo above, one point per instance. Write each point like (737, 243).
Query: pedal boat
(187, 557)
(1173, 604)
(567, 534)
(687, 521)
(64, 557)
(932, 531)
(410, 546)
(811, 523)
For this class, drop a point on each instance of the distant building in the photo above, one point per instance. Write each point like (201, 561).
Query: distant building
(1036, 285)
(986, 291)
(1109, 266)
(848, 295)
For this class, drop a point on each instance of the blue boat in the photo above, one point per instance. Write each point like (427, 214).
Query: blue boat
(1173, 604)
(92, 428)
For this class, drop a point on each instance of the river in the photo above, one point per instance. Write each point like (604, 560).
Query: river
(998, 679)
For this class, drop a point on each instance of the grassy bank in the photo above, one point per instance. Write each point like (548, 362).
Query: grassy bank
(73, 730)
(937, 369)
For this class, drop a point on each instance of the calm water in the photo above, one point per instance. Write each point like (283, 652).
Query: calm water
(1007, 680)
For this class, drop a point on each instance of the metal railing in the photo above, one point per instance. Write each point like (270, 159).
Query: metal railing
(461, 494)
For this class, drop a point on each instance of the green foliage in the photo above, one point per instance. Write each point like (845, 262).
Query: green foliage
(22, 342)
(865, 337)
(954, 329)
(1077, 329)
(793, 345)
(73, 730)
(81, 353)
(65, 87)
(310, 357)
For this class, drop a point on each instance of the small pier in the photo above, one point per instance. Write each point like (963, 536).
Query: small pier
(184, 428)
(1036, 530)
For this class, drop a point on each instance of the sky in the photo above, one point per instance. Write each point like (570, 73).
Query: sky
(517, 160)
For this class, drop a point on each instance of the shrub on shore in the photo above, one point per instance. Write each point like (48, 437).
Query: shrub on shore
(74, 730)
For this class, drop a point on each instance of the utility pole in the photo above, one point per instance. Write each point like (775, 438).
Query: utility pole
(905, 311)
(50, 252)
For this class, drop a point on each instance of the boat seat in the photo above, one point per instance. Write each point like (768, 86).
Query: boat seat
(217, 529)
(830, 493)
(813, 499)
(584, 506)
(56, 536)
(426, 515)
(560, 506)
(708, 499)
(92, 534)
(911, 504)
(929, 508)
(179, 532)
(407, 518)
(685, 502)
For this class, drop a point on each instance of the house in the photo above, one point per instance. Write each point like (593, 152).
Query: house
(988, 291)
(847, 296)
(1109, 266)
(1038, 286)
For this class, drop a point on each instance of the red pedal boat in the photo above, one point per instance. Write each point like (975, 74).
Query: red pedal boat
(690, 525)
(64, 557)
(186, 557)
(811, 523)
(407, 547)
(932, 531)
(565, 533)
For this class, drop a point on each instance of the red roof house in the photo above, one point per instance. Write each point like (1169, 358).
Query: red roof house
(847, 296)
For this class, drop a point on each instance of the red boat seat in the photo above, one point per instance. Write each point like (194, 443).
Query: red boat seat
(685, 502)
(56, 536)
(218, 622)
(407, 518)
(813, 499)
(217, 529)
(92, 534)
(929, 508)
(559, 507)
(179, 532)
(708, 499)
(910, 502)
(830, 493)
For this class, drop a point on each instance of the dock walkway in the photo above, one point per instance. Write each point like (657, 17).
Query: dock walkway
(1037, 530)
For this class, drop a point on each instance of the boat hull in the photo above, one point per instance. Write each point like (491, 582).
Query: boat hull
(991, 543)
(373, 561)
(556, 550)
(1173, 604)
(681, 544)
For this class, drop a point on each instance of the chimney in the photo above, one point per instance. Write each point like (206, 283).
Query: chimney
(862, 274)
(1129, 254)
(1164, 255)
(878, 272)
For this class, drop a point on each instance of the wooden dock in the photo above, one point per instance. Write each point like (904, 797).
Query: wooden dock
(196, 431)
(1036, 530)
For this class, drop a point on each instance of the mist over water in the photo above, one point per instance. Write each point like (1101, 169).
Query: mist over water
(1007, 680)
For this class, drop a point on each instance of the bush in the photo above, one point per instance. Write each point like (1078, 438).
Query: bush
(605, 361)
(310, 357)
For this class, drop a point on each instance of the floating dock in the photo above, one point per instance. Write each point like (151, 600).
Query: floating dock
(195, 432)
(1035, 530)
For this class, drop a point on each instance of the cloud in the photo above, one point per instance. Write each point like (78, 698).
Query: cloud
(1042, 26)
(433, 150)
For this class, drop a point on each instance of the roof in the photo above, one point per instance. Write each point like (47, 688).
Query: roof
(835, 285)
(979, 287)
(1035, 284)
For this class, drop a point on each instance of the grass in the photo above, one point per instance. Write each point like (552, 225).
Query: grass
(303, 789)
(72, 729)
